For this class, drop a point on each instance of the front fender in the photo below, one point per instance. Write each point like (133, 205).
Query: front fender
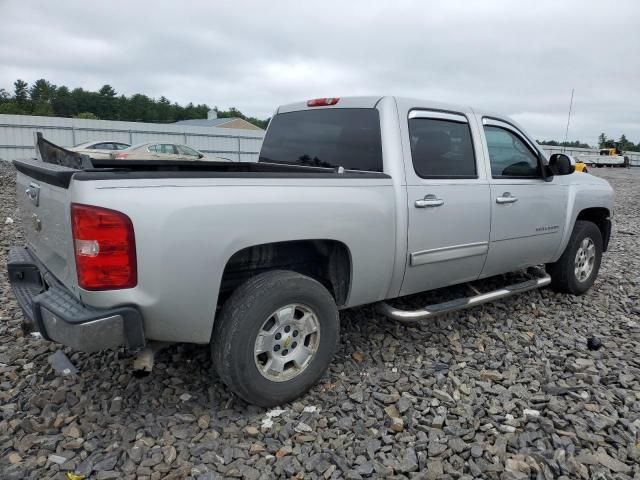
(595, 193)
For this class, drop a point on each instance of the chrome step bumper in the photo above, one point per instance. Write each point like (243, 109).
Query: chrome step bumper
(414, 316)
(61, 317)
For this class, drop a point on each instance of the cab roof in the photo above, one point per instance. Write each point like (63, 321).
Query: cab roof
(370, 102)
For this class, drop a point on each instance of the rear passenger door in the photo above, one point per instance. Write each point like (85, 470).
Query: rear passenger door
(100, 150)
(448, 200)
(527, 219)
(169, 151)
(163, 151)
(154, 151)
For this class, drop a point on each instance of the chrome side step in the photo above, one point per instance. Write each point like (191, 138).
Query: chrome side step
(414, 316)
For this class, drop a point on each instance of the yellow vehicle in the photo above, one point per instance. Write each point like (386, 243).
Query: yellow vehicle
(581, 167)
(610, 151)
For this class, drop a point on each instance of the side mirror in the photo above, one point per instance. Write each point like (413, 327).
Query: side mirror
(201, 155)
(561, 164)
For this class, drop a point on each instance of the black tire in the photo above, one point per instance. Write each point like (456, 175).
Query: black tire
(586, 171)
(242, 318)
(563, 276)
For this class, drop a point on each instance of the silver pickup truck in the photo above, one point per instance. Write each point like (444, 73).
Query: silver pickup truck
(354, 201)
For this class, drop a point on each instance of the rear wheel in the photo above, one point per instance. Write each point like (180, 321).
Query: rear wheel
(577, 268)
(275, 337)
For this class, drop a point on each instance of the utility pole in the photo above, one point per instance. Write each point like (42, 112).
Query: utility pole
(566, 132)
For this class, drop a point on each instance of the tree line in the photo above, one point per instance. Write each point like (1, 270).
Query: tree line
(622, 144)
(45, 98)
(555, 143)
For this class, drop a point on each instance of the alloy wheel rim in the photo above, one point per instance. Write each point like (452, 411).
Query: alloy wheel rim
(585, 259)
(287, 342)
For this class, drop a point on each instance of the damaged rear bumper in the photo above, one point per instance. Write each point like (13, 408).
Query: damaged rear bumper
(59, 316)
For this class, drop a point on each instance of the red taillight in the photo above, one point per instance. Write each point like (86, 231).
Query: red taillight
(121, 156)
(322, 102)
(105, 248)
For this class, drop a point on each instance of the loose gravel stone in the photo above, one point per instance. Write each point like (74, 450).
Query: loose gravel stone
(506, 390)
(58, 459)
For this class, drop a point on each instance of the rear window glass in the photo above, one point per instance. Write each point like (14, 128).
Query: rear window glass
(344, 137)
(103, 146)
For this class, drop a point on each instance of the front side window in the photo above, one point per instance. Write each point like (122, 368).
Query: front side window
(441, 148)
(167, 148)
(509, 155)
(184, 150)
(326, 137)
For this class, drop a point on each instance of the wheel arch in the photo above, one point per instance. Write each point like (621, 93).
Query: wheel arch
(601, 217)
(325, 260)
(589, 203)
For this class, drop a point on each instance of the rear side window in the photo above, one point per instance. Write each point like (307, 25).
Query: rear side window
(103, 146)
(441, 148)
(330, 138)
(509, 155)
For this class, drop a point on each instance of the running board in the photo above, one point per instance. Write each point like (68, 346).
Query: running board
(414, 316)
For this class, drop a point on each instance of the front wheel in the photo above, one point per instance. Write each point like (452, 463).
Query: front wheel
(577, 268)
(275, 337)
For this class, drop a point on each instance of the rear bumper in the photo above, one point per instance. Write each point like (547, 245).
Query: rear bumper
(59, 316)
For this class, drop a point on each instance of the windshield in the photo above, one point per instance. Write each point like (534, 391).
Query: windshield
(330, 138)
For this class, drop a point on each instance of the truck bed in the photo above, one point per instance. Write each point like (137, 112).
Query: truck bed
(57, 165)
(192, 218)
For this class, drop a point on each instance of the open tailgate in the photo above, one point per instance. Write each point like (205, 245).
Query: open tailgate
(44, 200)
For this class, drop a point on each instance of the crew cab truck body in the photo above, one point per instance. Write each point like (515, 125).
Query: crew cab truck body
(354, 201)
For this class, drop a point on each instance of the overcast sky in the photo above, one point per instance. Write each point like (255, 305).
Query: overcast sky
(513, 57)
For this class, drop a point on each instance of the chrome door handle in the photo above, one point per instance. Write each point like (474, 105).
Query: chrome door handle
(506, 198)
(429, 201)
(33, 193)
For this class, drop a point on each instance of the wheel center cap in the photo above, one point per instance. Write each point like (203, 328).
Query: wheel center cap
(287, 341)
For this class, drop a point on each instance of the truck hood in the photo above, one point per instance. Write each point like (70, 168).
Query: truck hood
(579, 178)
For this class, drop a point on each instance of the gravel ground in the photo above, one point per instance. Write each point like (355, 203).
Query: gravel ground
(507, 390)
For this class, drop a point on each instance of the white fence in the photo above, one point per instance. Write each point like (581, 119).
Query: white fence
(17, 135)
(634, 157)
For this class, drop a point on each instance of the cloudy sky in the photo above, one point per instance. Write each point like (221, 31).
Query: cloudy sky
(514, 57)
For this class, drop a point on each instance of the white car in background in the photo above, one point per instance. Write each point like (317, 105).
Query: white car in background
(100, 150)
(162, 151)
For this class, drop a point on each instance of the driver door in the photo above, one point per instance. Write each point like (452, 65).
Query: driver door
(187, 153)
(527, 212)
